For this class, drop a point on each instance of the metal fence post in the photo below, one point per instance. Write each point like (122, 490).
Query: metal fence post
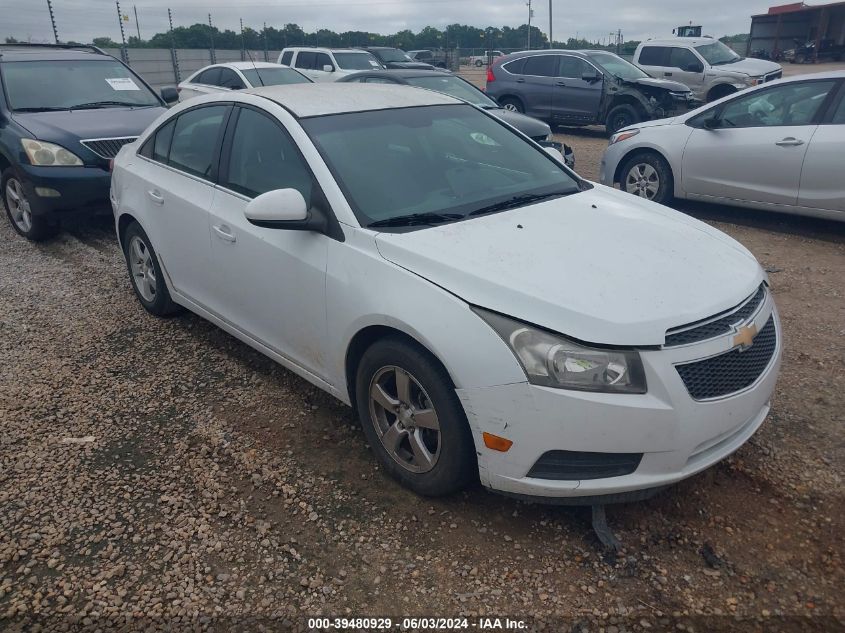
(124, 54)
(53, 20)
(174, 58)
(243, 44)
(211, 35)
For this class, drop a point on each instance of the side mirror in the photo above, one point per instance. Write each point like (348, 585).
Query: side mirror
(278, 209)
(694, 67)
(591, 75)
(169, 95)
(328, 68)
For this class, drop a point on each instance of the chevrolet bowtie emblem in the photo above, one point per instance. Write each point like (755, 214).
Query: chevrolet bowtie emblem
(745, 336)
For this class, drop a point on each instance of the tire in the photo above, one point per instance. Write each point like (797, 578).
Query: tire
(33, 227)
(432, 460)
(799, 59)
(142, 263)
(720, 91)
(648, 176)
(621, 116)
(478, 63)
(513, 104)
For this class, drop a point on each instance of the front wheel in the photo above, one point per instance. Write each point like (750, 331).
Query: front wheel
(478, 63)
(413, 420)
(620, 117)
(648, 176)
(19, 210)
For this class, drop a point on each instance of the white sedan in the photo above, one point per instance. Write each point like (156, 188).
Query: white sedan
(778, 146)
(489, 314)
(238, 76)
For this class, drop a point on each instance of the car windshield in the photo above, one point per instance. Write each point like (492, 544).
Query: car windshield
(394, 55)
(433, 163)
(356, 61)
(617, 66)
(73, 84)
(258, 77)
(717, 54)
(454, 87)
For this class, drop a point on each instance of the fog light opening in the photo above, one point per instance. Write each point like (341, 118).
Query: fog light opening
(47, 192)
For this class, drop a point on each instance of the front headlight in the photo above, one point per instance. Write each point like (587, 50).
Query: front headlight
(753, 81)
(49, 155)
(622, 136)
(550, 360)
(550, 136)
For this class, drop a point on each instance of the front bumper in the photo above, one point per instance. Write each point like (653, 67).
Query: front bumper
(80, 189)
(676, 435)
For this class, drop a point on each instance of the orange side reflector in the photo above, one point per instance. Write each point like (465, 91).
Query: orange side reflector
(496, 443)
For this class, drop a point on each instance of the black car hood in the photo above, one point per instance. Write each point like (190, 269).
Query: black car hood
(408, 65)
(663, 84)
(525, 124)
(72, 125)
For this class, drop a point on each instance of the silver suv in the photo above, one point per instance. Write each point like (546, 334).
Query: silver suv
(711, 69)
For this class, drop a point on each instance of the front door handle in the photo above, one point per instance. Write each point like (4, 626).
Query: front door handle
(667, 74)
(156, 197)
(560, 83)
(790, 141)
(224, 232)
(520, 80)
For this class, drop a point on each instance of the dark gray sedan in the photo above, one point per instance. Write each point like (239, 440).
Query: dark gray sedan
(459, 88)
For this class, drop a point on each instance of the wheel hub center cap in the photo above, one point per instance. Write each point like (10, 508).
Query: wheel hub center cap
(406, 417)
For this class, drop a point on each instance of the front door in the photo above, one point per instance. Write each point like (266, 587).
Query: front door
(756, 151)
(271, 282)
(823, 176)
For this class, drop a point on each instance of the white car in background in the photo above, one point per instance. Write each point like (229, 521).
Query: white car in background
(489, 314)
(238, 76)
(778, 147)
(328, 64)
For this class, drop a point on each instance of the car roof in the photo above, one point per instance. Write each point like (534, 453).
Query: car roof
(678, 41)
(318, 99)
(546, 51)
(402, 73)
(323, 48)
(12, 53)
(246, 65)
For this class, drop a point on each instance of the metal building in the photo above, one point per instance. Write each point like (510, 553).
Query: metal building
(787, 26)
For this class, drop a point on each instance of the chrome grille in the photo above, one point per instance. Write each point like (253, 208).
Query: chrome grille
(717, 325)
(733, 371)
(107, 147)
(775, 75)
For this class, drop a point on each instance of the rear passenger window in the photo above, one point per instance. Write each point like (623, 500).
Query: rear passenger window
(286, 57)
(195, 139)
(541, 66)
(654, 56)
(305, 60)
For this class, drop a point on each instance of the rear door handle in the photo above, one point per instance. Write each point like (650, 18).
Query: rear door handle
(156, 197)
(520, 80)
(667, 74)
(790, 141)
(560, 83)
(224, 233)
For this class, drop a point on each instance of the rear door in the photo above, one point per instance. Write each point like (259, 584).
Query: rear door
(823, 175)
(757, 152)
(177, 177)
(304, 63)
(575, 100)
(537, 85)
(654, 60)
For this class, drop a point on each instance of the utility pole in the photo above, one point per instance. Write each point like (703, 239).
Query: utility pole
(551, 39)
(138, 26)
(53, 20)
(123, 53)
(211, 38)
(530, 12)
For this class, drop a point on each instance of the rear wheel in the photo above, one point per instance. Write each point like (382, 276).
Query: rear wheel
(412, 418)
(648, 176)
(145, 272)
(621, 116)
(478, 63)
(513, 104)
(19, 210)
(720, 91)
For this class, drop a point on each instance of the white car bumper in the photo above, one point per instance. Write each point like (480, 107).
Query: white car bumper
(676, 435)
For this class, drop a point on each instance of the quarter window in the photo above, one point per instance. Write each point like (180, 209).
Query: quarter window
(229, 79)
(264, 158)
(789, 104)
(654, 56)
(210, 77)
(161, 146)
(839, 115)
(541, 66)
(515, 67)
(195, 140)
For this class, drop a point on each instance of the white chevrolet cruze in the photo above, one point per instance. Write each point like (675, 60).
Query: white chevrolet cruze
(488, 313)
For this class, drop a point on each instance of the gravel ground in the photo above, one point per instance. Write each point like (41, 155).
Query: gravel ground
(160, 474)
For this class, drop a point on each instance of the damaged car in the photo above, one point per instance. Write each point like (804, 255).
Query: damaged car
(577, 88)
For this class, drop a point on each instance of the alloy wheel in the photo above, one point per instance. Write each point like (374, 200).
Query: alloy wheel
(143, 270)
(404, 419)
(510, 107)
(643, 180)
(19, 207)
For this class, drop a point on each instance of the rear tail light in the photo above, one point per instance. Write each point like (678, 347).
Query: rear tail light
(490, 75)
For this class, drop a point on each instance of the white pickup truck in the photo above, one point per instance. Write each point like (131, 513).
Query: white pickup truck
(483, 60)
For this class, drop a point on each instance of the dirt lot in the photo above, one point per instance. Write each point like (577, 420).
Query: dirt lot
(159, 473)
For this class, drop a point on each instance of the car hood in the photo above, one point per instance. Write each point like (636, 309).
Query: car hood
(600, 266)
(62, 126)
(664, 84)
(750, 66)
(525, 124)
(409, 65)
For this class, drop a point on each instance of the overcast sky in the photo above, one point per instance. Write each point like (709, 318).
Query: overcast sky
(83, 20)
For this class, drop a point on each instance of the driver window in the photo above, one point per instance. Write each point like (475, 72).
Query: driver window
(264, 158)
(682, 58)
(572, 67)
(323, 60)
(790, 104)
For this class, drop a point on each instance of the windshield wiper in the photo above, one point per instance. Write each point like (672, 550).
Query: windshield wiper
(411, 219)
(520, 201)
(41, 109)
(105, 104)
